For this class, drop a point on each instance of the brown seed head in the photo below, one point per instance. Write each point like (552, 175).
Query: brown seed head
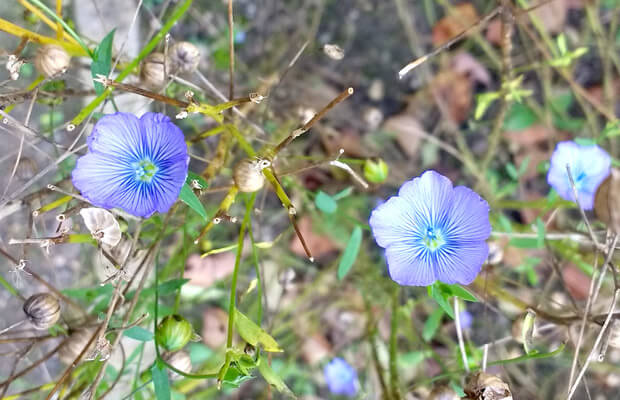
(51, 60)
(248, 174)
(183, 57)
(42, 309)
(152, 71)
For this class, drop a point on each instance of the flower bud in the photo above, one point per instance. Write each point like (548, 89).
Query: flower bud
(42, 309)
(483, 386)
(375, 171)
(152, 74)
(183, 57)
(248, 174)
(51, 60)
(174, 332)
(75, 345)
(179, 360)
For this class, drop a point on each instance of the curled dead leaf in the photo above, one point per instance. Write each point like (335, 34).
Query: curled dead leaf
(461, 17)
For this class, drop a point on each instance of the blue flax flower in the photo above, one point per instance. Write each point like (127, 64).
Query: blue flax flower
(136, 164)
(589, 166)
(341, 378)
(433, 231)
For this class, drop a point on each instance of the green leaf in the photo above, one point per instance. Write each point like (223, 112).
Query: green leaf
(188, 197)
(192, 176)
(350, 252)
(273, 379)
(254, 334)
(102, 60)
(432, 324)
(441, 299)
(234, 378)
(483, 102)
(138, 333)
(457, 291)
(519, 117)
(540, 233)
(160, 381)
(325, 202)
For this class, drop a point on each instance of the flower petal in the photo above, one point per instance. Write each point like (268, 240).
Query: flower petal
(469, 217)
(461, 263)
(430, 196)
(118, 135)
(100, 178)
(407, 267)
(392, 221)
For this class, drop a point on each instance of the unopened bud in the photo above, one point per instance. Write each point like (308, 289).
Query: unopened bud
(174, 332)
(51, 60)
(375, 171)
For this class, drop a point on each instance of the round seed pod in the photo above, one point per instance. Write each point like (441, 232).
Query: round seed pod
(173, 332)
(483, 386)
(152, 74)
(42, 309)
(248, 174)
(183, 57)
(51, 60)
(75, 345)
(443, 392)
(179, 360)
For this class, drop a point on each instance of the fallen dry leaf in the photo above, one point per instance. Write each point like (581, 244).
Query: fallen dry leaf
(552, 15)
(347, 139)
(319, 245)
(462, 16)
(465, 63)
(315, 348)
(453, 92)
(577, 283)
(407, 132)
(206, 271)
(214, 327)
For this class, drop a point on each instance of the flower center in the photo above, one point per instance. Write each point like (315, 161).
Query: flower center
(145, 170)
(433, 238)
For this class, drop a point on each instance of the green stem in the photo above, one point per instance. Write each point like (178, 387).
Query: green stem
(259, 283)
(64, 25)
(394, 386)
(177, 13)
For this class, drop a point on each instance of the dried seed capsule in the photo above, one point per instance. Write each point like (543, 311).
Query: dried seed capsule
(483, 386)
(248, 174)
(183, 57)
(27, 168)
(51, 60)
(42, 309)
(75, 345)
(152, 71)
(179, 360)
(173, 332)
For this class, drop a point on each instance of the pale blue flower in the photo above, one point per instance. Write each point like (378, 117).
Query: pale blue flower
(136, 164)
(589, 166)
(341, 378)
(432, 231)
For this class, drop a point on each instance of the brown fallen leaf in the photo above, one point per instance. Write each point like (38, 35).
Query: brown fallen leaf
(208, 270)
(467, 64)
(319, 245)
(453, 92)
(214, 327)
(315, 348)
(407, 132)
(577, 283)
(552, 15)
(347, 139)
(462, 16)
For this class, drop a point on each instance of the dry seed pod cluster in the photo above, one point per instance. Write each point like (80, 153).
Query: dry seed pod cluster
(483, 386)
(42, 310)
(248, 174)
(75, 345)
(179, 360)
(183, 57)
(51, 60)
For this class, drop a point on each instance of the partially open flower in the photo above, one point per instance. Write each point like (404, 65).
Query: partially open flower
(51, 60)
(42, 310)
(102, 225)
(183, 57)
(179, 360)
(152, 74)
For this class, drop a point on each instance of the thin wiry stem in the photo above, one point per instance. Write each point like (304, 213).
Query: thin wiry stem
(394, 383)
(459, 333)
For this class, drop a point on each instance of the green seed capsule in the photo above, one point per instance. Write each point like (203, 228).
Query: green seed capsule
(375, 171)
(174, 332)
(42, 309)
